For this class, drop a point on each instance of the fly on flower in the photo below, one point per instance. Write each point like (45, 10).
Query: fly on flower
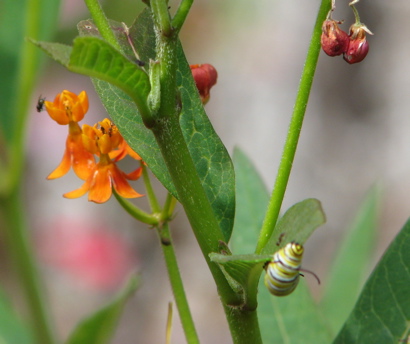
(40, 104)
(68, 108)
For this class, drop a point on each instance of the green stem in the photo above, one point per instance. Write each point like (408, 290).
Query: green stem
(243, 323)
(152, 198)
(295, 127)
(177, 285)
(102, 23)
(136, 212)
(356, 15)
(169, 207)
(191, 194)
(181, 14)
(24, 260)
(161, 15)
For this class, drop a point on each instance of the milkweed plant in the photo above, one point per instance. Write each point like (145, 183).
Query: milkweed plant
(253, 248)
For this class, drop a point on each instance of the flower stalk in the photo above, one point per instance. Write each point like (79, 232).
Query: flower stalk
(295, 128)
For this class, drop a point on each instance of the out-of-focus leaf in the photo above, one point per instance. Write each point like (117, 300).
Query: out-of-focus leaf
(297, 224)
(252, 200)
(100, 327)
(382, 312)
(13, 32)
(292, 319)
(210, 157)
(350, 267)
(242, 272)
(12, 330)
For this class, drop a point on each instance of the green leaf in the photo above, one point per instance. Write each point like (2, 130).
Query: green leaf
(94, 57)
(100, 327)
(292, 319)
(382, 312)
(297, 224)
(352, 262)
(242, 273)
(210, 157)
(252, 200)
(12, 330)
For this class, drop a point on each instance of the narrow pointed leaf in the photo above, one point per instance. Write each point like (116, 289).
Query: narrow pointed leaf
(351, 265)
(382, 312)
(100, 327)
(297, 224)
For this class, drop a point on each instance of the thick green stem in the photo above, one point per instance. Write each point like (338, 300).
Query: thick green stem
(102, 23)
(243, 323)
(177, 285)
(295, 127)
(24, 261)
(191, 194)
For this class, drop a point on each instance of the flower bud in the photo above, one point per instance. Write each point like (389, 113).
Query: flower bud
(358, 46)
(334, 40)
(205, 76)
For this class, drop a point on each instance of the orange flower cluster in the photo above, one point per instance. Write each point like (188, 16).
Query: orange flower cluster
(82, 144)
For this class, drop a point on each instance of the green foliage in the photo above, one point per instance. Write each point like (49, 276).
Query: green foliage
(297, 224)
(100, 327)
(352, 263)
(12, 330)
(382, 312)
(211, 159)
(94, 57)
(291, 319)
(252, 199)
(40, 19)
(243, 271)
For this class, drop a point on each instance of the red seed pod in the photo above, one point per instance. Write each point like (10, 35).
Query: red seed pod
(334, 40)
(205, 76)
(358, 46)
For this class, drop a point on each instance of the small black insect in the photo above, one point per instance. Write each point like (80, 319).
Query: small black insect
(40, 104)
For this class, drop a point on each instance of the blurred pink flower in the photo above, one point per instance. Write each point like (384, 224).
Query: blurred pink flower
(92, 255)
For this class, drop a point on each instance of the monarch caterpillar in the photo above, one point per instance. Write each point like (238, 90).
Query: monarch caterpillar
(283, 271)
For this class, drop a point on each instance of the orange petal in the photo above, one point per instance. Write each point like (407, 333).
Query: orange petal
(83, 162)
(63, 168)
(79, 192)
(101, 185)
(121, 185)
(131, 152)
(135, 174)
(77, 112)
(57, 114)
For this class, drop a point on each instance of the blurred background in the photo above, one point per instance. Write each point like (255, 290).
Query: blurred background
(355, 134)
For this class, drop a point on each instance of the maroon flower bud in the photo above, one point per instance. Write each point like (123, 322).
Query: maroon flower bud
(358, 46)
(205, 76)
(334, 40)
